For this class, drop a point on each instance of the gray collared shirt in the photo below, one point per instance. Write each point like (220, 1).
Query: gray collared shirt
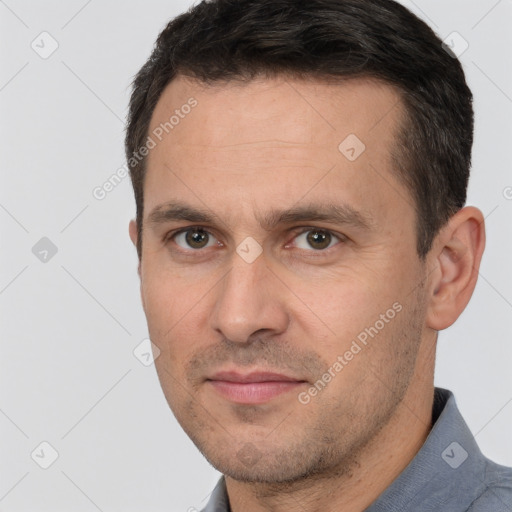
(449, 473)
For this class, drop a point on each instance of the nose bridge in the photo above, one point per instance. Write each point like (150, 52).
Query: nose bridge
(248, 300)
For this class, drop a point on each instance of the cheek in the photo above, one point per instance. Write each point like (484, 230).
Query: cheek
(160, 306)
(342, 304)
(164, 305)
(166, 294)
(351, 306)
(175, 313)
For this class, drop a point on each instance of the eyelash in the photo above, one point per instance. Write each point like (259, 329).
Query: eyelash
(318, 253)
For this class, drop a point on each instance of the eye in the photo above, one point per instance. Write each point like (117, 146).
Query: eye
(198, 238)
(194, 238)
(317, 239)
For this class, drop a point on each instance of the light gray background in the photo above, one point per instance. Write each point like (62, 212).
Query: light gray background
(69, 326)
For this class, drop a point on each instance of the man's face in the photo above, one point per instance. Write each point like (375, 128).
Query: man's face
(332, 308)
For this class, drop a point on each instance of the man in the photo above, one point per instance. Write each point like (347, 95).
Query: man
(300, 173)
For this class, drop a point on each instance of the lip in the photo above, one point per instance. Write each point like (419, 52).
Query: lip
(254, 387)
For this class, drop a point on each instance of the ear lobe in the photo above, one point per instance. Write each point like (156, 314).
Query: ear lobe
(456, 256)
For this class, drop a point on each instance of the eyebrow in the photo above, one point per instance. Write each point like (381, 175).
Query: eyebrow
(341, 214)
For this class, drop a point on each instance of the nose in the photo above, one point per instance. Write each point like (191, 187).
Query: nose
(249, 299)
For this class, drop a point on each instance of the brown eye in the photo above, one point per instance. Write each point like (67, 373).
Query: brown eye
(194, 238)
(197, 238)
(317, 239)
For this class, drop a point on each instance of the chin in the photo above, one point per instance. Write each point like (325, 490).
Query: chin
(273, 465)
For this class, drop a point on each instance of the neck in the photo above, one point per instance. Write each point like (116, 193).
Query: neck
(377, 465)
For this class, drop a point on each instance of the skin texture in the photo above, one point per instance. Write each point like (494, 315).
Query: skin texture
(272, 144)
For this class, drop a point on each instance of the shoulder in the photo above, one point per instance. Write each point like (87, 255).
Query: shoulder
(497, 490)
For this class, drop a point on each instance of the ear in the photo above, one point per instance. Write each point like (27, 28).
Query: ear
(455, 259)
(134, 236)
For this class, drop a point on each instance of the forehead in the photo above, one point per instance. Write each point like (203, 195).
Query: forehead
(245, 112)
(269, 137)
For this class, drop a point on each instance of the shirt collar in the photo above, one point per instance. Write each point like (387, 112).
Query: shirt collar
(447, 473)
(218, 501)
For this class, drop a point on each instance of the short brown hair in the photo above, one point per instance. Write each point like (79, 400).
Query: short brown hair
(222, 40)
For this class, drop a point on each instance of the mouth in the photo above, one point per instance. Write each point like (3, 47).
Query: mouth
(254, 387)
